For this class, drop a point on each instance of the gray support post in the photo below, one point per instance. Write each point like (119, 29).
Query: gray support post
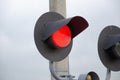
(108, 74)
(59, 6)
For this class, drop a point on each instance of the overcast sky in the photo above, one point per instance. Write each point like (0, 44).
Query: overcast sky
(19, 58)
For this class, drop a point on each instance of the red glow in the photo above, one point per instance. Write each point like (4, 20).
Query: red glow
(62, 37)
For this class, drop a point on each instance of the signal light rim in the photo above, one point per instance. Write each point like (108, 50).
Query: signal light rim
(49, 53)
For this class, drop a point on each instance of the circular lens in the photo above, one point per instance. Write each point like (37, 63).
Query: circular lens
(62, 37)
(88, 77)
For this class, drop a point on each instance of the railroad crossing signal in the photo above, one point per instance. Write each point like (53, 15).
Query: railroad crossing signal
(54, 34)
(109, 47)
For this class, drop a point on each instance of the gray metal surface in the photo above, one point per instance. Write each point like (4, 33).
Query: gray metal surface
(59, 6)
(53, 73)
(58, 77)
(49, 53)
(108, 74)
(109, 62)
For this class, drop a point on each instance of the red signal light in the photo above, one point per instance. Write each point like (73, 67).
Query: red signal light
(62, 37)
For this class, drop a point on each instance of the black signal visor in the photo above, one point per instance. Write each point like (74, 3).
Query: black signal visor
(111, 41)
(76, 25)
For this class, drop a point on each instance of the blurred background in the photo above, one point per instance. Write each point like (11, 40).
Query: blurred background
(19, 57)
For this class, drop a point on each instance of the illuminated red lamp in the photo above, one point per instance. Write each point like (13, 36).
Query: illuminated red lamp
(62, 37)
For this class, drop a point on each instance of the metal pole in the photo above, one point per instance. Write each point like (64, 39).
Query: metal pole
(57, 77)
(51, 67)
(108, 74)
(59, 6)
